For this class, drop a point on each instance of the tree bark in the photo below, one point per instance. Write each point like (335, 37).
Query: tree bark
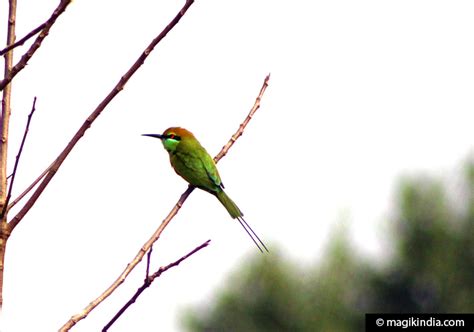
(4, 235)
(5, 121)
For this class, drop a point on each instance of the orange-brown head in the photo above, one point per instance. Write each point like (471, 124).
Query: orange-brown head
(173, 136)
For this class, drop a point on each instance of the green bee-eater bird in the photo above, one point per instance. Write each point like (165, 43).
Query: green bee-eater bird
(192, 162)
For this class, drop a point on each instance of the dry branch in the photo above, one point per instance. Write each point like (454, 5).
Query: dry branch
(148, 261)
(20, 150)
(148, 280)
(6, 109)
(156, 235)
(30, 187)
(118, 87)
(244, 124)
(23, 40)
(37, 43)
(4, 125)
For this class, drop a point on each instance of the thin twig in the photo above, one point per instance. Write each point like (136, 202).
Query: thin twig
(148, 261)
(156, 235)
(37, 43)
(23, 40)
(244, 124)
(30, 187)
(103, 104)
(147, 282)
(20, 150)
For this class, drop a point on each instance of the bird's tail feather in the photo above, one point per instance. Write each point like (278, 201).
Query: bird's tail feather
(247, 228)
(229, 204)
(235, 213)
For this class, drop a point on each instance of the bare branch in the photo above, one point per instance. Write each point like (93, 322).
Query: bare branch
(6, 108)
(4, 126)
(37, 43)
(148, 261)
(103, 104)
(30, 187)
(130, 266)
(239, 132)
(147, 282)
(156, 235)
(20, 150)
(23, 40)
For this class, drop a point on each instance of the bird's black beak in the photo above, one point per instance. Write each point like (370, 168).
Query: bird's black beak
(154, 135)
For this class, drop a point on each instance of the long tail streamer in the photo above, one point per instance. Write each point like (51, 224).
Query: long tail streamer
(252, 234)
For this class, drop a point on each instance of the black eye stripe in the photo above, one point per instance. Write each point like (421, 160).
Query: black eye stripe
(173, 136)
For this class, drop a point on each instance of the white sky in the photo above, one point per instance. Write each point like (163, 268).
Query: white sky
(361, 93)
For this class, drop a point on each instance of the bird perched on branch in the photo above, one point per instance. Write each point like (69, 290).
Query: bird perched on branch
(192, 162)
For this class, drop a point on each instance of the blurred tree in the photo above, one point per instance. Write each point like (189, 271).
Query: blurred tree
(274, 294)
(432, 270)
(262, 296)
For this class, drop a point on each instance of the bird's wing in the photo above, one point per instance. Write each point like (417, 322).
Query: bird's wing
(195, 169)
(212, 171)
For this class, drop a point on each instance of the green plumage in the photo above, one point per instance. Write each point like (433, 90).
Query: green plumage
(229, 204)
(192, 162)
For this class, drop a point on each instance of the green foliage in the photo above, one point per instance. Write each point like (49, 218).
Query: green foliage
(273, 294)
(261, 297)
(434, 267)
(432, 270)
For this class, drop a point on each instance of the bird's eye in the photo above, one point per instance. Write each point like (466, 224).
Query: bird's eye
(173, 137)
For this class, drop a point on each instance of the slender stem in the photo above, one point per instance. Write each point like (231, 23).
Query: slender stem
(148, 262)
(17, 160)
(5, 121)
(244, 124)
(23, 40)
(156, 235)
(30, 187)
